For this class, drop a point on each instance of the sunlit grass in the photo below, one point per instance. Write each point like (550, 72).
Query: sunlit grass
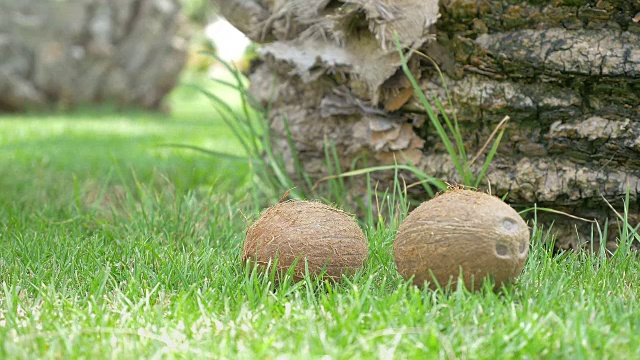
(46, 152)
(162, 278)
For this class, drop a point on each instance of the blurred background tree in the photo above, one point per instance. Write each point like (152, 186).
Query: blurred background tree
(65, 53)
(60, 54)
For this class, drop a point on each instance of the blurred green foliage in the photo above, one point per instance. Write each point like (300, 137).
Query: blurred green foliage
(198, 11)
(198, 62)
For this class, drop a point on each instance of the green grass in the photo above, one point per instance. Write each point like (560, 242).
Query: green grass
(49, 152)
(114, 247)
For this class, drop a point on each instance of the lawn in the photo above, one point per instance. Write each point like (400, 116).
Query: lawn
(115, 246)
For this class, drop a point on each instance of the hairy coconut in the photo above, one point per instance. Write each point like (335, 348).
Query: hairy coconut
(462, 232)
(327, 238)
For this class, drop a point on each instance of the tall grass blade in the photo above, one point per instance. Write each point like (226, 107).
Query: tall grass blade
(457, 136)
(225, 112)
(430, 113)
(440, 185)
(489, 158)
(216, 154)
(535, 209)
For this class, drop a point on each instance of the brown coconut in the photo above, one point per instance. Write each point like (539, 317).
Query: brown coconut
(327, 238)
(466, 232)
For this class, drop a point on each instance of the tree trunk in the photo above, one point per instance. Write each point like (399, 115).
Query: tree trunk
(71, 52)
(567, 73)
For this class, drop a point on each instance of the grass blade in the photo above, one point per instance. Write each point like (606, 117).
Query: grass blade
(429, 179)
(430, 113)
(489, 158)
(217, 154)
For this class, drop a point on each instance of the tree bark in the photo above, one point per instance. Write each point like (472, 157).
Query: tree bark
(567, 73)
(73, 52)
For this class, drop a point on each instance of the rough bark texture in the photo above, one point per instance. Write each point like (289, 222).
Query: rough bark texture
(83, 51)
(566, 72)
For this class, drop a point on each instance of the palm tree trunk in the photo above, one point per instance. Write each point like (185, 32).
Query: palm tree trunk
(567, 73)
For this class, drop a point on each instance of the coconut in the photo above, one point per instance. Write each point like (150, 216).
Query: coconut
(462, 232)
(326, 238)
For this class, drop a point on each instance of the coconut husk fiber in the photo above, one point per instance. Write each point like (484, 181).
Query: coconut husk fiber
(324, 237)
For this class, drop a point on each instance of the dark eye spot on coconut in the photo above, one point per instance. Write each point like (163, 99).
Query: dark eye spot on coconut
(523, 248)
(509, 225)
(502, 250)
